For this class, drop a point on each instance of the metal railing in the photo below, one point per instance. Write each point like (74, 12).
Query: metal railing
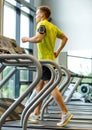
(29, 62)
(62, 85)
(22, 60)
(44, 92)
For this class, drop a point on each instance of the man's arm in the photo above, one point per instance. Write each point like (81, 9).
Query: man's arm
(62, 44)
(35, 39)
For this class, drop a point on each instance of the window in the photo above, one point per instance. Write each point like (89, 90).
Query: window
(80, 62)
(24, 29)
(16, 16)
(9, 31)
(9, 22)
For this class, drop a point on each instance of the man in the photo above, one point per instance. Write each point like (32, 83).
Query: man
(45, 37)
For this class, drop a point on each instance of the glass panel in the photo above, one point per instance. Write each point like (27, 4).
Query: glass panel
(24, 75)
(27, 0)
(24, 30)
(25, 9)
(8, 89)
(80, 62)
(9, 22)
(81, 53)
(79, 65)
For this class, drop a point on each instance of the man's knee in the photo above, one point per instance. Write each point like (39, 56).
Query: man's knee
(39, 86)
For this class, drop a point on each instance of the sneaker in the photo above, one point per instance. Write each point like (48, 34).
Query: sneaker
(33, 118)
(65, 119)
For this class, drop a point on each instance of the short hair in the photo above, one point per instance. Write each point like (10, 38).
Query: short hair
(46, 10)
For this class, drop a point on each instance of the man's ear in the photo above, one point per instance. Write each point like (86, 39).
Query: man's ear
(42, 15)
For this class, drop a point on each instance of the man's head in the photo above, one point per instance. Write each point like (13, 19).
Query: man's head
(43, 12)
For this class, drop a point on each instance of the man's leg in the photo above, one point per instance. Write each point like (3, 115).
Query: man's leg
(31, 97)
(34, 115)
(59, 100)
(38, 88)
(66, 116)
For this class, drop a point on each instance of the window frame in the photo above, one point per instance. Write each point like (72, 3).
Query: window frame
(30, 14)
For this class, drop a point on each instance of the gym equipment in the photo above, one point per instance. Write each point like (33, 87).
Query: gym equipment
(82, 119)
(9, 101)
(61, 86)
(63, 83)
(21, 61)
(9, 46)
(72, 88)
(12, 116)
(44, 92)
(83, 122)
(85, 89)
(31, 97)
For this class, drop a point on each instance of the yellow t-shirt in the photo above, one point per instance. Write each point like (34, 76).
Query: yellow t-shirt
(46, 47)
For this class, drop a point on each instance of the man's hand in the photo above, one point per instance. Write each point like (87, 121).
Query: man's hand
(25, 39)
(35, 39)
(62, 44)
(56, 54)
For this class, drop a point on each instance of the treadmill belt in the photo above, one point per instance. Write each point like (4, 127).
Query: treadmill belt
(73, 124)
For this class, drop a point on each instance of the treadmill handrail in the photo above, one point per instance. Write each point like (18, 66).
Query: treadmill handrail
(67, 99)
(33, 60)
(45, 93)
(61, 87)
(41, 92)
(2, 67)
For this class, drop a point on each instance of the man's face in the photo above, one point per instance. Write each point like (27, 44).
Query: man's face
(39, 15)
